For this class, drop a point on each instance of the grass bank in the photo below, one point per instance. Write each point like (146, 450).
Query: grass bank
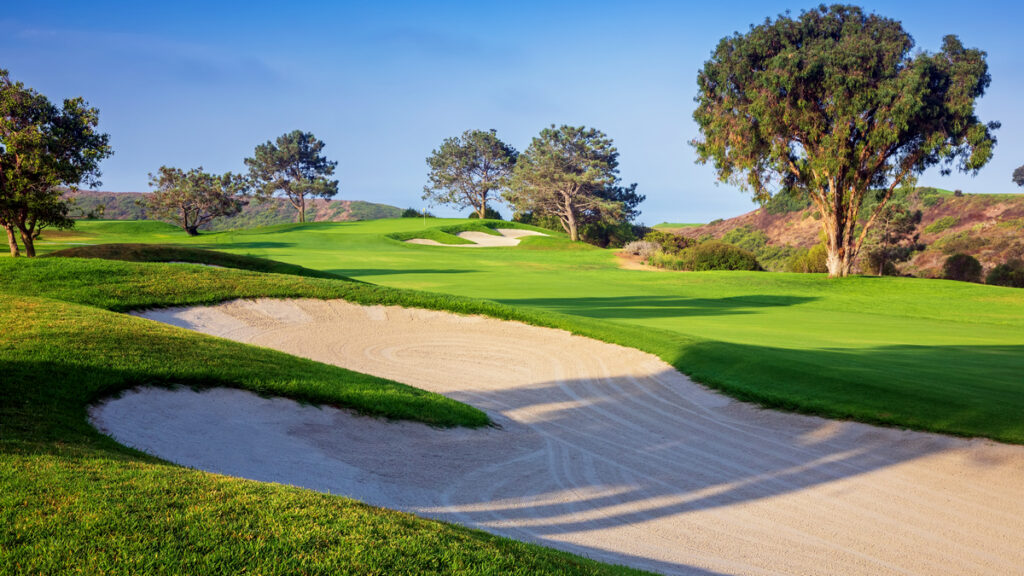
(75, 501)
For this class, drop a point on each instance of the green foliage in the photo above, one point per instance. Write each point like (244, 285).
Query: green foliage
(44, 150)
(414, 213)
(194, 198)
(468, 171)
(1018, 176)
(710, 255)
(715, 255)
(893, 239)
(571, 173)
(891, 113)
(1009, 274)
(942, 224)
(755, 241)
(608, 235)
(809, 261)
(960, 242)
(786, 201)
(670, 243)
(962, 267)
(489, 214)
(294, 167)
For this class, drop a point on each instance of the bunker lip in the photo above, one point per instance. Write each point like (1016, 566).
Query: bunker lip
(601, 450)
(509, 237)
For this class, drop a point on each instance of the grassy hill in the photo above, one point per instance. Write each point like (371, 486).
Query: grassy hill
(990, 227)
(131, 206)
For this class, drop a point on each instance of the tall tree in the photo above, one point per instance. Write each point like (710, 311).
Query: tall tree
(833, 104)
(1018, 176)
(191, 199)
(571, 173)
(468, 171)
(294, 167)
(44, 150)
(893, 239)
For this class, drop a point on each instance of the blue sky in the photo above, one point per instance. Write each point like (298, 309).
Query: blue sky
(382, 83)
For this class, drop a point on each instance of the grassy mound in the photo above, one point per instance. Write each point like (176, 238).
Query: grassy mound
(73, 500)
(188, 254)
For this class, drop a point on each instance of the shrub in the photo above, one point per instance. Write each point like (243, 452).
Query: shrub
(489, 214)
(607, 235)
(670, 243)
(414, 213)
(962, 267)
(641, 248)
(960, 242)
(715, 255)
(809, 261)
(942, 224)
(1008, 274)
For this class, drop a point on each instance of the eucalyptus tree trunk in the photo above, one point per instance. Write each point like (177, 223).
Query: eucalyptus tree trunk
(12, 241)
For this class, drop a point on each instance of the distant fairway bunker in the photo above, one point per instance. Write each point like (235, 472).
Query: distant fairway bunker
(601, 449)
(508, 237)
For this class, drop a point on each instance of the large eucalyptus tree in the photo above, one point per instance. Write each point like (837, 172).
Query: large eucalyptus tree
(836, 105)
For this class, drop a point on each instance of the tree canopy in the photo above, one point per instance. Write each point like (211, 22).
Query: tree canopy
(191, 199)
(571, 172)
(834, 104)
(294, 167)
(1018, 176)
(45, 150)
(468, 171)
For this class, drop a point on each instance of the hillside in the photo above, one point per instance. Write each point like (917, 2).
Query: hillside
(131, 206)
(989, 227)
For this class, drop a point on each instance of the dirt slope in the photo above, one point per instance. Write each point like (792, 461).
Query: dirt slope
(990, 227)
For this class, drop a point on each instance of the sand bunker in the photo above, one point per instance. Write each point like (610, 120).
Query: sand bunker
(509, 237)
(602, 450)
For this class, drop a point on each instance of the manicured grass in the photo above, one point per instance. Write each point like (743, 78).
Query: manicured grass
(74, 501)
(186, 254)
(926, 354)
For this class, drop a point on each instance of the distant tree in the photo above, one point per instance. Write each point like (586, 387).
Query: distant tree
(836, 103)
(571, 173)
(294, 167)
(45, 151)
(468, 171)
(1018, 176)
(893, 239)
(191, 199)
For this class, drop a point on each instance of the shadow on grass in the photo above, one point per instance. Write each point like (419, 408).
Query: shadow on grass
(963, 390)
(636, 307)
(349, 272)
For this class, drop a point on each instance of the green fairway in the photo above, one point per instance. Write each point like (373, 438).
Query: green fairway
(926, 354)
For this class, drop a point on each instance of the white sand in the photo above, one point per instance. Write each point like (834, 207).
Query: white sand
(509, 237)
(602, 450)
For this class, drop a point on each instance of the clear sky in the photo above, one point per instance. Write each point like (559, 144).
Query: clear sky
(382, 83)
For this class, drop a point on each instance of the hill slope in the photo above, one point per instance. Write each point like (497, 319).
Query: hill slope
(989, 227)
(131, 206)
